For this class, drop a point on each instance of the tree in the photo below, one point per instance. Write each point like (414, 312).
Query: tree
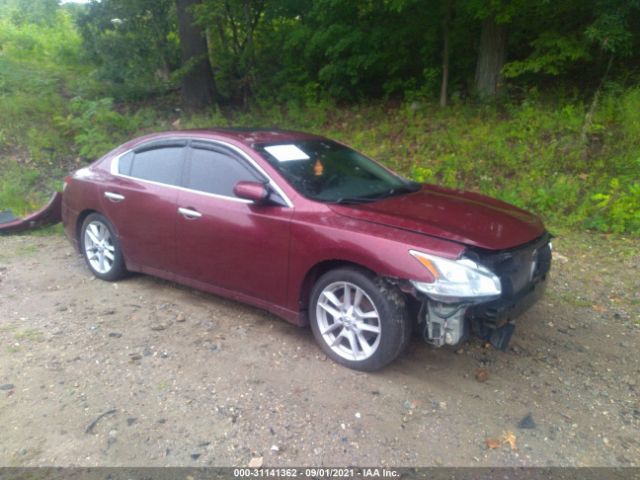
(39, 12)
(132, 43)
(302, 50)
(491, 58)
(495, 15)
(233, 25)
(444, 85)
(197, 83)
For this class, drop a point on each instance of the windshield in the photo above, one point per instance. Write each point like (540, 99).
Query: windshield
(329, 172)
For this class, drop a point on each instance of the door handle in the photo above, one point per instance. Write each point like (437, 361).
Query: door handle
(189, 213)
(114, 197)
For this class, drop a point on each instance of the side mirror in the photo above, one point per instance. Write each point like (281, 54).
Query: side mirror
(254, 191)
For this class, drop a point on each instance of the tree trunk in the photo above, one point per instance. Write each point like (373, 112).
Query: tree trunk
(198, 87)
(444, 85)
(491, 58)
(588, 119)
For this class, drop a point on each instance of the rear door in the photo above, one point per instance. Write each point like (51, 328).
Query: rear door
(141, 203)
(226, 241)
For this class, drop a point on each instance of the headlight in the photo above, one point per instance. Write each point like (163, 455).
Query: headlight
(456, 279)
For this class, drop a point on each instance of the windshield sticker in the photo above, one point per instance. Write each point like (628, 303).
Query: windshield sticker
(287, 153)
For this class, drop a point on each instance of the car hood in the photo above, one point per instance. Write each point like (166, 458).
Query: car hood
(463, 217)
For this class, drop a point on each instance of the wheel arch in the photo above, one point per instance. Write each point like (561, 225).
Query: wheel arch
(319, 269)
(81, 218)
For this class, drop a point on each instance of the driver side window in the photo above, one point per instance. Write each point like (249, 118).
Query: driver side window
(212, 171)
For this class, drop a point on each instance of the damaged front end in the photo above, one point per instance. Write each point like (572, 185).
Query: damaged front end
(482, 293)
(50, 214)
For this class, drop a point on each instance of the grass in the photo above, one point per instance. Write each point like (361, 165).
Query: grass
(31, 334)
(25, 250)
(56, 229)
(570, 298)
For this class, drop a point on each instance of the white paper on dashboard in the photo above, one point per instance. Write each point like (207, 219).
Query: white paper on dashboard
(287, 153)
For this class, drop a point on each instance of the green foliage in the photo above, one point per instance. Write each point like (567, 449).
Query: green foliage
(38, 12)
(556, 38)
(612, 28)
(618, 210)
(36, 60)
(76, 81)
(20, 188)
(96, 126)
(133, 45)
(552, 54)
(306, 50)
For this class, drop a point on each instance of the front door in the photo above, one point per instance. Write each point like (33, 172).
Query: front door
(226, 241)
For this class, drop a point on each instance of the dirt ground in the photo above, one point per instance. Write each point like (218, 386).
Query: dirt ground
(147, 373)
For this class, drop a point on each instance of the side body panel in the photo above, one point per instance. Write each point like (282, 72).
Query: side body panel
(145, 220)
(235, 245)
(321, 235)
(81, 194)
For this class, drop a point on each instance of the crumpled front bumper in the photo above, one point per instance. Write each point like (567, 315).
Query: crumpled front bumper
(50, 214)
(523, 273)
(494, 321)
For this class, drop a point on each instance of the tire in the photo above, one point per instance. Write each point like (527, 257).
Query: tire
(358, 320)
(100, 248)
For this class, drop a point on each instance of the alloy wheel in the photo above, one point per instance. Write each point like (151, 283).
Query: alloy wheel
(348, 321)
(99, 247)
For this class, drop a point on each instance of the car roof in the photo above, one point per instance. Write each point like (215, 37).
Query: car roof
(247, 136)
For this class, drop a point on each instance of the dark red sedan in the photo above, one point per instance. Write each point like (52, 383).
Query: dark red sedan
(314, 232)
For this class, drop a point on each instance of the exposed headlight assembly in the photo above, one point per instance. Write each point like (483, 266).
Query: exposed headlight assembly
(456, 279)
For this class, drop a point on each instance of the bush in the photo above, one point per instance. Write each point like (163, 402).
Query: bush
(96, 126)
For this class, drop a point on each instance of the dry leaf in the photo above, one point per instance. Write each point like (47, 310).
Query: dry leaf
(599, 308)
(256, 462)
(492, 443)
(482, 374)
(510, 438)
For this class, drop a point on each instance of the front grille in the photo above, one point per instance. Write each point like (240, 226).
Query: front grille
(518, 268)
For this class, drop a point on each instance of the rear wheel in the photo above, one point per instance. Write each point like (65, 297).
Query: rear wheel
(359, 321)
(101, 249)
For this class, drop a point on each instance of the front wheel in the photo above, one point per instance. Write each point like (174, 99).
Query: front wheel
(101, 249)
(359, 321)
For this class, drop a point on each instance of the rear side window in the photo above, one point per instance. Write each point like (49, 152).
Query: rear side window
(215, 172)
(162, 165)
